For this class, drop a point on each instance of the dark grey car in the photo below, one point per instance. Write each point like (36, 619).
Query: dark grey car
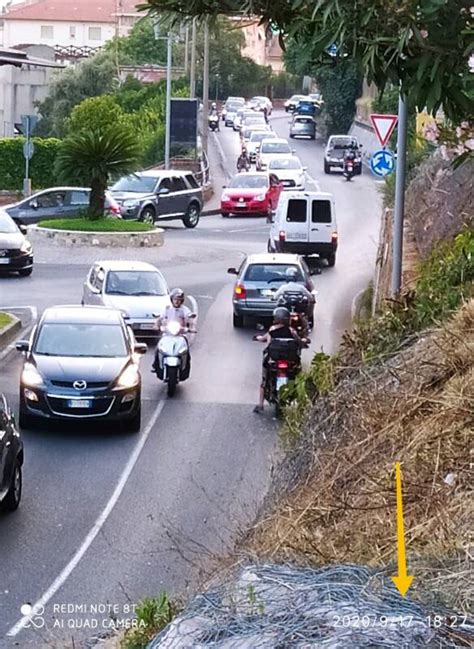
(11, 459)
(303, 125)
(158, 194)
(55, 203)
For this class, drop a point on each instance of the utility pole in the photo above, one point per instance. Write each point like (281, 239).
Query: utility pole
(205, 89)
(192, 79)
(168, 102)
(186, 49)
(398, 216)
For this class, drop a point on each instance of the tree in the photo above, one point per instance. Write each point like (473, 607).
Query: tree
(89, 78)
(91, 157)
(95, 113)
(422, 46)
(140, 46)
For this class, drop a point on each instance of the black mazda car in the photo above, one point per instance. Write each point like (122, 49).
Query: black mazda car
(81, 364)
(16, 252)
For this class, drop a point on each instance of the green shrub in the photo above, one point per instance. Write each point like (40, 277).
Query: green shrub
(153, 614)
(12, 163)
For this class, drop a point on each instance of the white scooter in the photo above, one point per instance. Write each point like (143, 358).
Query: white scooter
(172, 360)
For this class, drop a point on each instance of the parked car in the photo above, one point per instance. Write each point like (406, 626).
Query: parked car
(303, 126)
(254, 142)
(56, 203)
(290, 104)
(258, 279)
(16, 252)
(290, 172)
(159, 194)
(335, 150)
(271, 148)
(251, 193)
(81, 364)
(11, 459)
(135, 288)
(305, 223)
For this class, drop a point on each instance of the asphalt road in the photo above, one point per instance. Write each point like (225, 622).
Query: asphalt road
(109, 518)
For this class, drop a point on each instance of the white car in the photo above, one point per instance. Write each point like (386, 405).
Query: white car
(254, 142)
(264, 101)
(290, 172)
(272, 148)
(136, 288)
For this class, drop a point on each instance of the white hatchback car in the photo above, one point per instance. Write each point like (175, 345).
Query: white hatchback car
(136, 288)
(272, 148)
(290, 172)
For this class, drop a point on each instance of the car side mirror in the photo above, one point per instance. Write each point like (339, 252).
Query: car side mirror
(293, 151)
(232, 271)
(316, 271)
(140, 348)
(22, 345)
(163, 191)
(23, 229)
(361, 146)
(224, 186)
(34, 204)
(305, 168)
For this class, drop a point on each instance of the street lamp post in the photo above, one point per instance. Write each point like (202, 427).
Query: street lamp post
(169, 39)
(217, 85)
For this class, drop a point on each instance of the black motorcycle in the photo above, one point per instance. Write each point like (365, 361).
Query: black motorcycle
(283, 363)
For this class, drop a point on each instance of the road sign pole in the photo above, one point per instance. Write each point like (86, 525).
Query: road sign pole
(168, 103)
(398, 217)
(26, 181)
(205, 89)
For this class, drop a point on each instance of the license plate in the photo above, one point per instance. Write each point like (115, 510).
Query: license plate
(79, 403)
(295, 236)
(241, 205)
(4, 260)
(281, 381)
(267, 292)
(148, 325)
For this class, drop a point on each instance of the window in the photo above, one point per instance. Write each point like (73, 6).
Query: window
(95, 34)
(79, 198)
(72, 31)
(47, 31)
(50, 199)
(166, 183)
(99, 279)
(271, 273)
(296, 211)
(178, 184)
(192, 182)
(321, 212)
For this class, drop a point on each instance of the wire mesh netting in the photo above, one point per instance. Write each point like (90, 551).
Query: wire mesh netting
(337, 607)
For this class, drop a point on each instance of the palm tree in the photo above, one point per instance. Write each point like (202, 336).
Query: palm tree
(90, 157)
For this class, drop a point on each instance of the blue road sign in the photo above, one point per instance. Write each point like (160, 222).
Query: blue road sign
(382, 163)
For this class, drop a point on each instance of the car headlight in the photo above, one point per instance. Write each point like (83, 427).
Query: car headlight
(129, 377)
(260, 197)
(26, 247)
(30, 375)
(132, 202)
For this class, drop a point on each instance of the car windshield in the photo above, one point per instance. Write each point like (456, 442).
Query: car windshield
(233, 108)
(296, 98)
(7, 224)
(304, 120)
(275, 147)
(284, 163)
(271, 273)
(249, 181)
(134, 282)
(81, 339)
(135, 183)
(343, 143)
(258, 137)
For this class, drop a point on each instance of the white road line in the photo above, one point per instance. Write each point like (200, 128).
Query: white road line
(314, 181)
(99, 523)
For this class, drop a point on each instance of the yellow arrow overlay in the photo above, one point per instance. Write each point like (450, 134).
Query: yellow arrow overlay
(402, 581)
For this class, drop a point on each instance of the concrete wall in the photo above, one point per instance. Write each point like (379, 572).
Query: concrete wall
(366, 136)
(17, 32)
(20, 88)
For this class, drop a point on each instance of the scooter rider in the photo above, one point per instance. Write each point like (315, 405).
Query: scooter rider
(280, 329)
(293, 287)
(177, 311)
(214, 113)
(243, 161)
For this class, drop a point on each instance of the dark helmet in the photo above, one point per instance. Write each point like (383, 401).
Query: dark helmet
(281, 315)
(177, 295)
(293, 299)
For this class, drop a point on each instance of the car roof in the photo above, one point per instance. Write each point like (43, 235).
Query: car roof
(158, 173)
(68, 313)
(119, 264)
(252, 173)
(288, 157)
(286, 196)
(273, 258)
(61, 189)
(278, 140)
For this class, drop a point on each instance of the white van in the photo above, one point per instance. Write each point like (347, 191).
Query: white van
(305, 223)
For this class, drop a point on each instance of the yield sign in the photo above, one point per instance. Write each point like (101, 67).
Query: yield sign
(384, 125)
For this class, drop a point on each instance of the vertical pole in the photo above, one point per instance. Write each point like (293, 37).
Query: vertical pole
(186, 50)
(205, 88)
(398, 217)
(192, 79)
(168, 103)
(26, 182)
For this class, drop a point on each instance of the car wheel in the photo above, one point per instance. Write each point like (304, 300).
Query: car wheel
(238, 321)
(327, 167)
(25, 272)
(191, 218)
(331, 259)
(148, 216)
(291, 135)
(13, 497)
(134, 424)
(172, 380)
(313, 137)
(225, 215)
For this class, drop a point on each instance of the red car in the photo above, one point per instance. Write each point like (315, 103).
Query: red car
(251, 192)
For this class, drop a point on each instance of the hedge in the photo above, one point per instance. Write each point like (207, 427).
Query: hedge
(12, 163)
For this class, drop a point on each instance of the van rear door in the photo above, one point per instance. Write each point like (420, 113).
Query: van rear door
(296, 221)
(321, 220)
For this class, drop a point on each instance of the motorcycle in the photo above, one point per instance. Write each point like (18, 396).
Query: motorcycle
(172, 364)
(243, 164)
(214, 122)
(348, 169)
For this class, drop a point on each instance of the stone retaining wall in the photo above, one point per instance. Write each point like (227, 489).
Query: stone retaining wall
(69, 238)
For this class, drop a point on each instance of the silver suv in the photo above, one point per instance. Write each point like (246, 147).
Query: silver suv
(157, 194)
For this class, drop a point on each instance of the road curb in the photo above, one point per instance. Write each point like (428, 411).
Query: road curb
(9, 332)
(68, 238)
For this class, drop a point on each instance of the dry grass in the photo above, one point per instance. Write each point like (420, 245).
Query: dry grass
(419, 409)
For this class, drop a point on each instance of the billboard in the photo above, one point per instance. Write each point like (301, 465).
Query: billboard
(184, 127)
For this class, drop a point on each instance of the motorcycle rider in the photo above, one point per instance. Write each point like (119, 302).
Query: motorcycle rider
(177, 311)
(214, 113)
(294, 287)
(349, 156)
(243, 161)
(280, 329)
